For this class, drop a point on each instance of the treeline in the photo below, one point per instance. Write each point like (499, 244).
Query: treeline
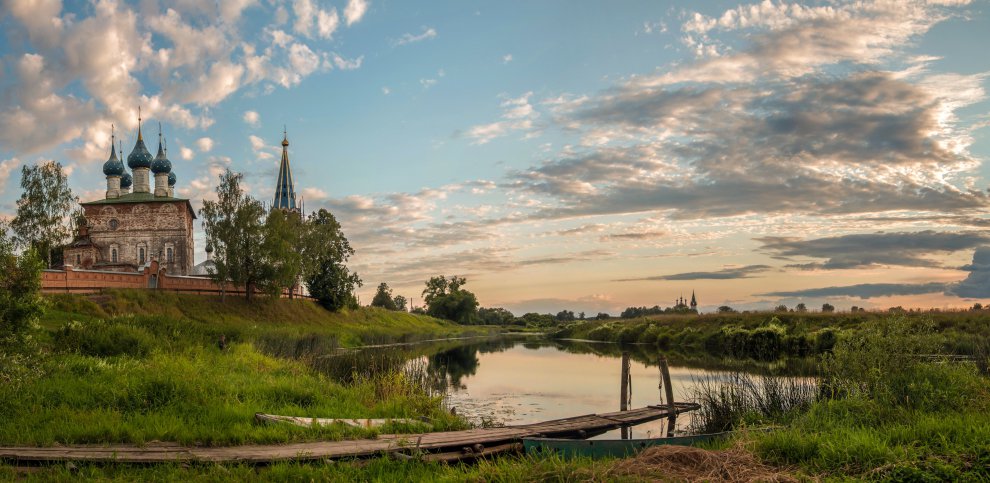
(272, 250)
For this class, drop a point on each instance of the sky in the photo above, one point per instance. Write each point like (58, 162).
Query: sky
(587, 156)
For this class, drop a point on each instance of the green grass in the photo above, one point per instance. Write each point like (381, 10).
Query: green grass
(139, 366)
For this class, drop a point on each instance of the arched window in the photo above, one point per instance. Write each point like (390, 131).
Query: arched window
(141, 255)
(169, 255)
(78, 259)
(113, 255)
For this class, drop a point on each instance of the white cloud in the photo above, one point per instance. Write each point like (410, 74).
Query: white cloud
(386, 90)
(204, 144)
(427, 83)
(303, 61)
(305, 15)
(408, 38)
(355, 10)
(252, 118)
(517, 114)
(346, 64)
(6, 167)
(506, 58)
(327, 22)
(186, 153)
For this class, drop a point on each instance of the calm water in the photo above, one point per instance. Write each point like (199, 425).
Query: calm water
(519, 381)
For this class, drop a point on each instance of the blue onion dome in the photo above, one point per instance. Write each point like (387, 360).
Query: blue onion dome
(139, 157)
(113, 166)
(126, 181)
(171, 179)
(161, 164)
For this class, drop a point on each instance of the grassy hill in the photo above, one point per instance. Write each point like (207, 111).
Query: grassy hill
(138, 366)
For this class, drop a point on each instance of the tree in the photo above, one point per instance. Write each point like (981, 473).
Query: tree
(495, 316)
(282, 252)
(325, 253)
(564, 316)
(400, 303)
(581, 316)
(780, 308)
(445, 299)
(977, 306)
(602, 316)
(21, 305)
(725, 309)
(801, 307)
(234, 228)
(43, 210)
(383, 298)
(828, 308)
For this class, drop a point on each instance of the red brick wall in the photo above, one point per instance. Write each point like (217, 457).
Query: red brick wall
(71, 280)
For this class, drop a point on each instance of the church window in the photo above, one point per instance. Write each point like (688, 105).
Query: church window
(169, 255)
(113, 255)
(114, 223)
(78, 259)
(141, 255)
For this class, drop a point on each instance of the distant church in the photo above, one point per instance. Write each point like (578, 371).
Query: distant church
(682, 304)
(135, 224)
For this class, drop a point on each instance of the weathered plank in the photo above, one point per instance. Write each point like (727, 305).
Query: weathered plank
(441, 446)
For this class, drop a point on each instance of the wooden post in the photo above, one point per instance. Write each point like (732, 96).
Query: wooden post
(669, 391)
(624, 396)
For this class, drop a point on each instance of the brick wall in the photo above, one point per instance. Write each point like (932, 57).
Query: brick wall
(71, 280)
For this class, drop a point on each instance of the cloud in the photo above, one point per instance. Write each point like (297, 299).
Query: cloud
(386, 91)
(355, 10)
(186, 153)
(865, 290)
(408, 38)
(327, 22)
(591, 305)
(863, 250)
(800, 118)
(252, 118)
(517, 114)
(635, 235)
(977, 283)
(7, 166)
(506, 58)
(346, 64)
(724, 274)
(204, 144)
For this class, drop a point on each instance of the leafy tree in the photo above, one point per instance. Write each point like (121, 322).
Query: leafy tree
(828, 308)
(977, 306)
(21, 305)
(725, 309)
(234, 228)
(282, 252)
(383, 298)
(780, 308)
(43, 210)
(495, 316)
(400, 303)
(602, 316)
(581, 316)
(445, 299)
(564, 316)
(801, 307)
(325, 253)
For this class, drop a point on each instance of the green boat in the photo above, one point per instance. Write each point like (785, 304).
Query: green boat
(616, 448)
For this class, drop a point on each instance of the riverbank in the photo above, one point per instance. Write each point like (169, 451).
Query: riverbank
(140, 366)
(882, 412)
(769, 336)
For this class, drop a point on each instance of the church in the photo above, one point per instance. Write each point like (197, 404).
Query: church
(136, 222)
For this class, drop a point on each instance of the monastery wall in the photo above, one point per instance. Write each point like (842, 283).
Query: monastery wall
(152, 277)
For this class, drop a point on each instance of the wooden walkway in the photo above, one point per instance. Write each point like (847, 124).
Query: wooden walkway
(441, 446)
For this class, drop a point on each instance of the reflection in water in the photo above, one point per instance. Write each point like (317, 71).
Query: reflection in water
(519, 381)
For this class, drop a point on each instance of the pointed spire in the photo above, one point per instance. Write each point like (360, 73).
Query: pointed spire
(285, 194)
(140, 138)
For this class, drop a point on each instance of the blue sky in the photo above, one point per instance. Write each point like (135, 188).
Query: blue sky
(579, 155)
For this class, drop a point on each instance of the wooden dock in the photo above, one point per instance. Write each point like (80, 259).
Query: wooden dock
(439, 446)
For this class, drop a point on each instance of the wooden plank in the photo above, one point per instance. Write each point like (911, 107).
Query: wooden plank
(442, 446)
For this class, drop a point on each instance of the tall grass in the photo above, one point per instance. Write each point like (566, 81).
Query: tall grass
(728, 400)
